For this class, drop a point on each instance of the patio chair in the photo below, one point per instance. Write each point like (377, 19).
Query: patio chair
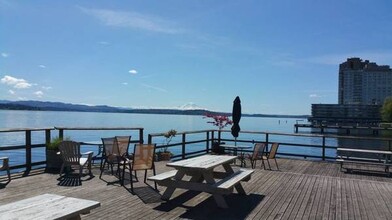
(5, 166)
(271, 155)
(143, 159)
(123, 145)
(257, 154)
(71, 156)
(111, 155)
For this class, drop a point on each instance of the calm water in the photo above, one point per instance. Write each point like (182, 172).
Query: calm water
(151, 124)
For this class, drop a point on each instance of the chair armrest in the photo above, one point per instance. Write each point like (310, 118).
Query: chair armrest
(4, 158)
(88, 153)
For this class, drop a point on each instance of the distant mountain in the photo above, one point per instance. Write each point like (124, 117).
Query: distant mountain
(188, 109)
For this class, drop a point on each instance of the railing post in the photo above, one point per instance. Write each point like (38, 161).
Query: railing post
(219, 136)
(266, 141)
(141, 140)
(149, 139)
(212, 137)
(207, 142)
(183, 145)
(28, 150)
(323, 153)
(61, 133)
(47, 136)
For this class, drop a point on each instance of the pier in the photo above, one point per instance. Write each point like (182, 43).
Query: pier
(348, 128)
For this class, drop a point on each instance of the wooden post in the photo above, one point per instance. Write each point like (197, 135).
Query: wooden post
(141, 140)
(149, 139)
(323, 149)
(183, 145)
(28, 151)
(212, 137)
(219, 136)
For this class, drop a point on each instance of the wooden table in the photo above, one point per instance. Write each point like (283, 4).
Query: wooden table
(201, 171)
(47, 206)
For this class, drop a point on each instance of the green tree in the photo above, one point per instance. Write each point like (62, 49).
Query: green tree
(386, 110)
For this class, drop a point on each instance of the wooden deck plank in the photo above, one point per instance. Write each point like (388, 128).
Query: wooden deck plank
(301, 189)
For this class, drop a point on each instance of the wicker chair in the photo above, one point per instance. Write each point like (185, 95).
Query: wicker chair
(71, 156)
(143, 159)
(5, 166)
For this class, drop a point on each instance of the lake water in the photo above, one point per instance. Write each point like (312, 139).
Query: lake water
(150, 122)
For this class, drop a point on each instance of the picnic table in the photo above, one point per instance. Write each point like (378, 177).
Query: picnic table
(359, 156)
(47, 206)
(202, 177)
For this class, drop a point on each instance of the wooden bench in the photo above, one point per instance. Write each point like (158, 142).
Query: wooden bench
(163, 176)
(361, 160)
(227, 184)
(223, 186)
(47, 206)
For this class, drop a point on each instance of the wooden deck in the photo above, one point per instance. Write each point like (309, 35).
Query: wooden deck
(300, 190)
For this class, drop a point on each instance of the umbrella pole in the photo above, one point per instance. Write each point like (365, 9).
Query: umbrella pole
(235, 141)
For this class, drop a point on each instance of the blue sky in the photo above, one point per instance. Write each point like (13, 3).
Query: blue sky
(278, 56)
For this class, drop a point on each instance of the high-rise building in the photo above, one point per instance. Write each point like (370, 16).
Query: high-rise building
(363, 82)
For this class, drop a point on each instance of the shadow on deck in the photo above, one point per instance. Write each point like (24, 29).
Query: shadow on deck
(301, 189)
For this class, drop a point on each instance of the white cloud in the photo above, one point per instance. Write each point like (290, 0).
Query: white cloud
(313, 96)
(12, 92)
(15, 82)
(104, 43)
(132, 20)
(42, 66)
(46, 87)
(39, 94)
(124, 83)
(134, 72)
(5, 55)
(154, 87)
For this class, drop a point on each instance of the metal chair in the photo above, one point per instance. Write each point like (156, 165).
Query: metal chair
(143, 159)
(5, 166)
(71, 156)
(271, 155)
(257, 154)
(110, 155)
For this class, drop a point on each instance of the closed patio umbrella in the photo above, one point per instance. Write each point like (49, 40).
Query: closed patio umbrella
(236, 116)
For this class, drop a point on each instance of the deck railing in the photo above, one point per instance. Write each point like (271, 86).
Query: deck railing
(34, 133)
(193, 143)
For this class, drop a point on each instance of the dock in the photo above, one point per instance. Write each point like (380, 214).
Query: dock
(301, 189)
(347, 128)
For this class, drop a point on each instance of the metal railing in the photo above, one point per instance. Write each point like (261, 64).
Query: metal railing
(30, 132)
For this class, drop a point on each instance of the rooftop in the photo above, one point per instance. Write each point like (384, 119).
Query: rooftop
(301, 189)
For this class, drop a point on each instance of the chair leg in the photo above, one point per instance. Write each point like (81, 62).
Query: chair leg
(136, 176)
(262, 161)
(276, 163)
(145, 176)
(131, 180)
(102, 168)
(269, 165)
(61, 169)
(155, 183)
(9, 174)
(123, 175)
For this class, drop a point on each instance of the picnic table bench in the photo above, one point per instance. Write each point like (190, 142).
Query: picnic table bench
(202, 169)
(47, 206)
(358, 156)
